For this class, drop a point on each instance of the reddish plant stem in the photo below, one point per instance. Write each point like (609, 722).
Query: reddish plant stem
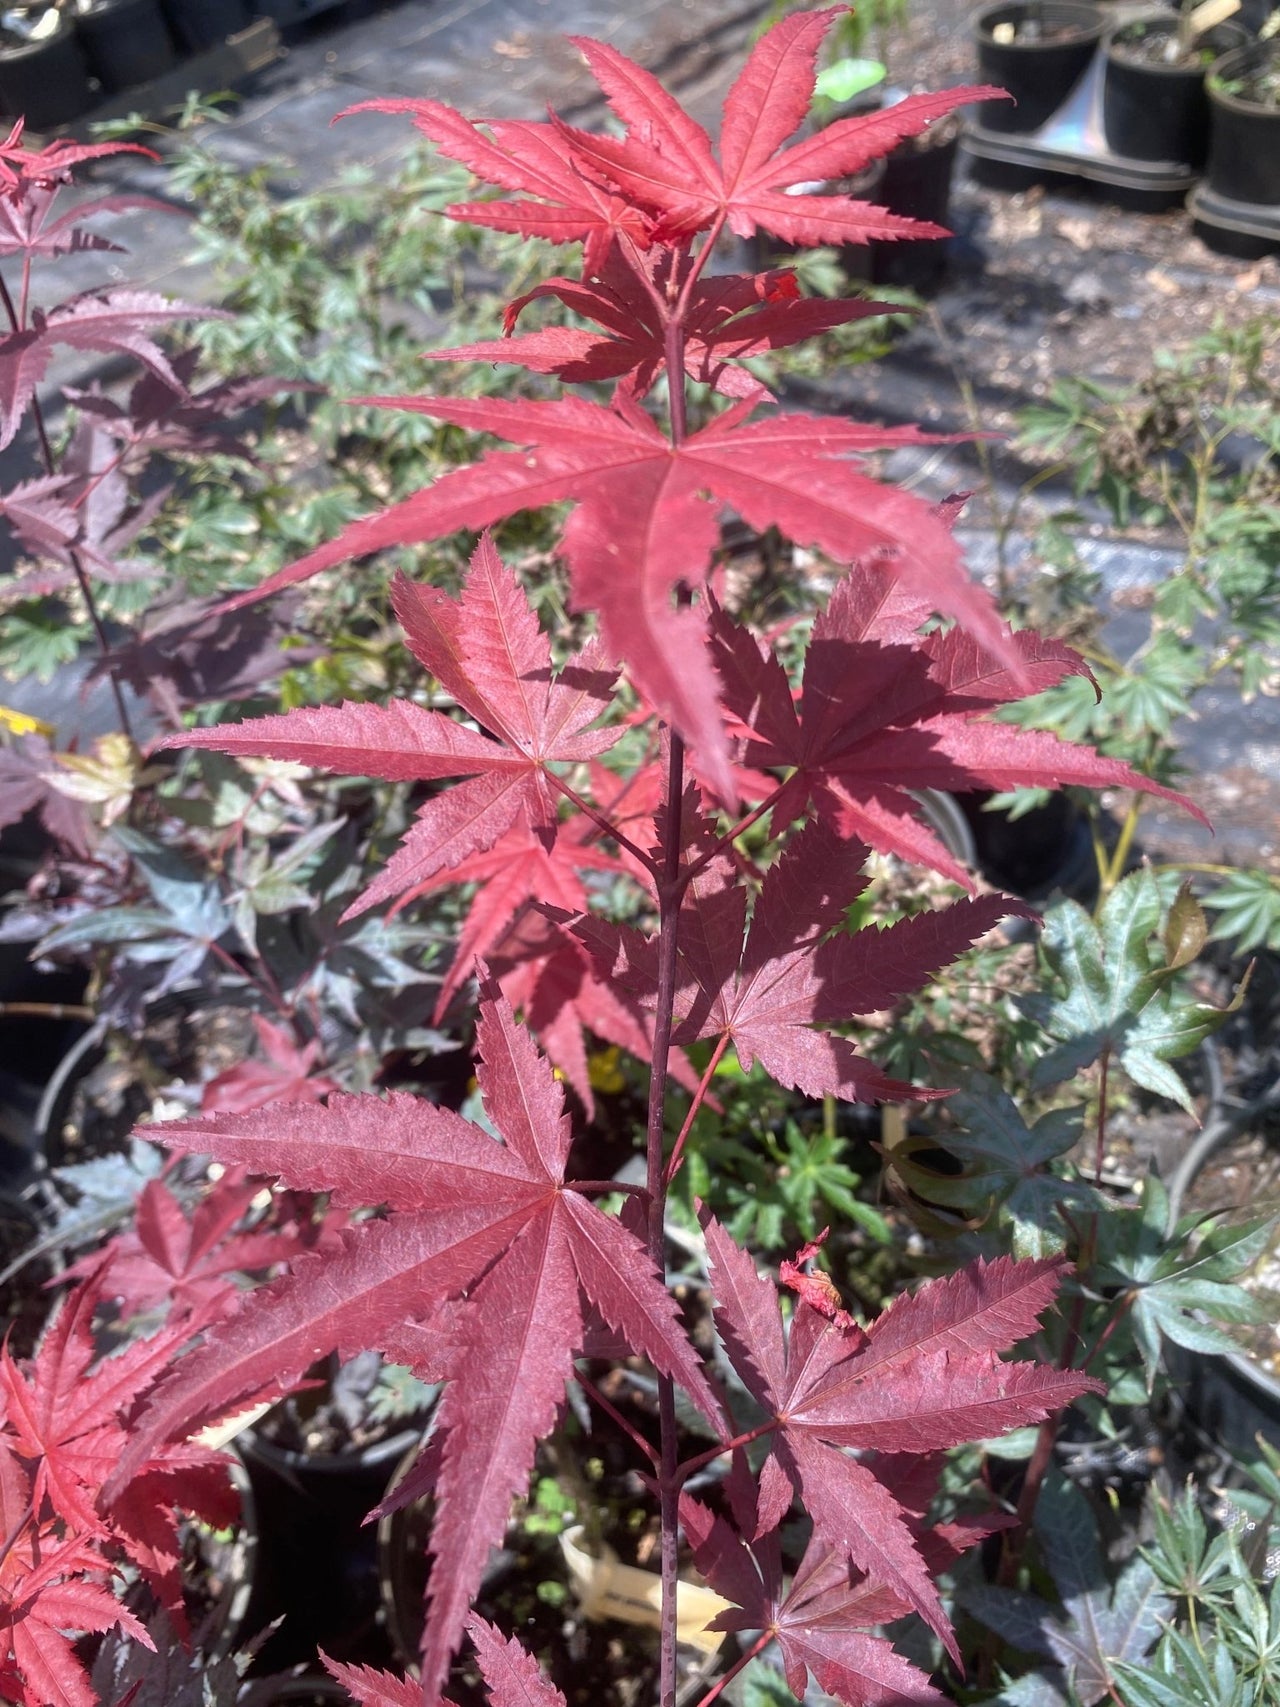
(1100, 1143)
(632, 1433)
(668, 926)
(691, 1465)
(743, 1660)
(14, 1535)
(669, 896)
(17, 323)
(604, 1187)
(603, 822)
(699, 1096)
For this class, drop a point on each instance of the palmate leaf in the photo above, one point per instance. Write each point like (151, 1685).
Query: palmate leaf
(530, 159)
(65, 1412)
(1116, 990)
(822, 1621)
(666, 161)
(549, 979)
(885, 710)
(483, 1242)
(512, 1676)
(730, 318)
(487, 651)
(1174, 1295)
(644, 525)
(1005, 1169)
(116, 321)
(769, 993)
(1099, 1627)
(924, 1376)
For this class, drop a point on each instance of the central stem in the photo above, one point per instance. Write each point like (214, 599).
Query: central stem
(670, 892)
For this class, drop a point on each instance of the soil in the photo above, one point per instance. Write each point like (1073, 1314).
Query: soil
(1148, 44)
(1260, 88)
(1031, 30)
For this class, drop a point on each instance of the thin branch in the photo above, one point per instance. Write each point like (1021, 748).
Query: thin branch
(699, 1097)
(602, 822)
(610, 1410)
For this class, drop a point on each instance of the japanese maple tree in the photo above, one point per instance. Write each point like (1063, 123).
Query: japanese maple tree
(474, 1255)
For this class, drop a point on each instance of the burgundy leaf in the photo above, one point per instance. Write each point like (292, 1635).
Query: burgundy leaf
(481, 1236)
(487, 651)
(115, 321)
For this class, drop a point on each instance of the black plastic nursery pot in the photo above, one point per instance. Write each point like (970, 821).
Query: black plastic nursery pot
(1236, 210)
(127, 42)
(1052, 46)
(46, 82)
(317, 1563)
(917, 183)
(1154, 110)
(198, 24)
(1244, 154)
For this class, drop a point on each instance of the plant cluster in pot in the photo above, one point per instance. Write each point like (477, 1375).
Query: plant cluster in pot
(1154, 104)
(43, 74)
(1237, 209)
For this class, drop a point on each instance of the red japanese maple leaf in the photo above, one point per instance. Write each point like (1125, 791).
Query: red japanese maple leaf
(822, 1621)
(49, 1584)
(520, 867)
(26, 768)
(66, 1415)
(549, 979)
(112, 321)
(530, 159)
(666, 162)
(487, 652)
(766, 990)
(922, 1377)
(885, 710)
(166, 1255)
(486, 1241)
(729, 318)
(287, 1075)
(645, 524)
(511, 1674)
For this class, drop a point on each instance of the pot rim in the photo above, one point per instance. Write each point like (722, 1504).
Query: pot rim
(1165, 24)
(1240, 58)
(1092, 22)
(66, 28)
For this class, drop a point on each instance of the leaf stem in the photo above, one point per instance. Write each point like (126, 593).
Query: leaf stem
(758, 1646)
(670, 891)
(610, 1410)
(730, 836)
(691, 1465)
(677, 1152)
(603, 822)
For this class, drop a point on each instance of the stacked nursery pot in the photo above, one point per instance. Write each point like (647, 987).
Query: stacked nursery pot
(1237, 208)
(1154, 103)
(1038, 50)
